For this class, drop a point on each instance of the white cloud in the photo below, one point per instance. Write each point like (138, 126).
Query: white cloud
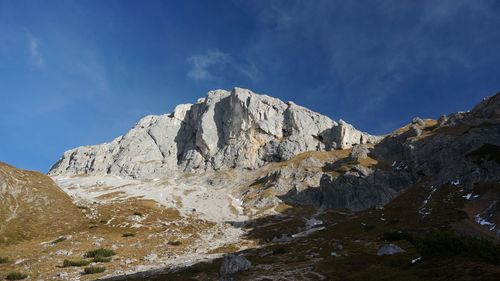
(216, 64)
(201, 64)
(36, 58)
(94, 71)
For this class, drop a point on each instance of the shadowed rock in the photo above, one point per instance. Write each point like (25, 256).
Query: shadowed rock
(389, 249)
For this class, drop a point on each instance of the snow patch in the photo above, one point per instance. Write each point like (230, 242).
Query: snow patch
(484, 222)
(413, 261)
(424, 210)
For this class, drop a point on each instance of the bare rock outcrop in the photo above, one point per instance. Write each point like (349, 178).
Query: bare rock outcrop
(231, 264)
(227, 129)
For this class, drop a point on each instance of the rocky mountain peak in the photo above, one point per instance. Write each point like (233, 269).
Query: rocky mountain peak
(226, 129)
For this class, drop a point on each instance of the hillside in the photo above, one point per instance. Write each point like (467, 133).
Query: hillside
(298, 195)
(33, 206)
(445, 214)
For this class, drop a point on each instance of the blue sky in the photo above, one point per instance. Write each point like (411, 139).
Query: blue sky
(77, 73)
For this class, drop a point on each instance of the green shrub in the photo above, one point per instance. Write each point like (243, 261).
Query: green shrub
(101, 259)
(101, 252)
(279, 251)
(4, 259)
(174, 243)
(396, 235)
(14, 275)
(68, 263)
(59, 240)
(93, 269)
(367, 227)
(128, 234)
(448, 244)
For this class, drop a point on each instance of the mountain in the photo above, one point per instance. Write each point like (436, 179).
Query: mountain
(422, 204)
(242, 186)
(237, 129)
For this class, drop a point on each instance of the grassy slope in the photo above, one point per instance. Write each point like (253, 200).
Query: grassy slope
(33, 206)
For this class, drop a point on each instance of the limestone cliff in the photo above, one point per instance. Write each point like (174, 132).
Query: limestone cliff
(227, 129)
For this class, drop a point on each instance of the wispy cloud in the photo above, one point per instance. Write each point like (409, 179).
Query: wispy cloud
(35, 56)
(201, 64)
(368, 56)
(213, 63)
(94, 71)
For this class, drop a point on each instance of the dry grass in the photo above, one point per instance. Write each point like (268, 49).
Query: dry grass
(34, 206)
(429, 125)
(112, 195)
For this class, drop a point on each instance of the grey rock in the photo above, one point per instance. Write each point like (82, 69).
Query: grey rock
(234, 263)
(62, 275)
(227, 129)
(418, 121)
(441, 122)
(444, 155)
(415, 130)
(389, 249)
(456, 150)
(359, 151)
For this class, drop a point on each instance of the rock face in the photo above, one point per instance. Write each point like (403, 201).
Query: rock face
(444, 152)
(233, 263)
(236, 129)
(460, 149)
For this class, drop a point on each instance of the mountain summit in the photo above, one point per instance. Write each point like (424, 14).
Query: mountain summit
(227, 129)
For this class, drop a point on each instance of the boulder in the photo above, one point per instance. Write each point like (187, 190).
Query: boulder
(359, 151)
(418, 121)
(389, 249)
(233, 263)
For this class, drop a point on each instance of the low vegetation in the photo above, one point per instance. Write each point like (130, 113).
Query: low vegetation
(128, 234)
(68, 263)
(4, 260)
(440, 244)
(279, 251)
(397, 235)
(14, 275)
(101, 252)
(93, 269)
(174, 243)
(368, 226)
